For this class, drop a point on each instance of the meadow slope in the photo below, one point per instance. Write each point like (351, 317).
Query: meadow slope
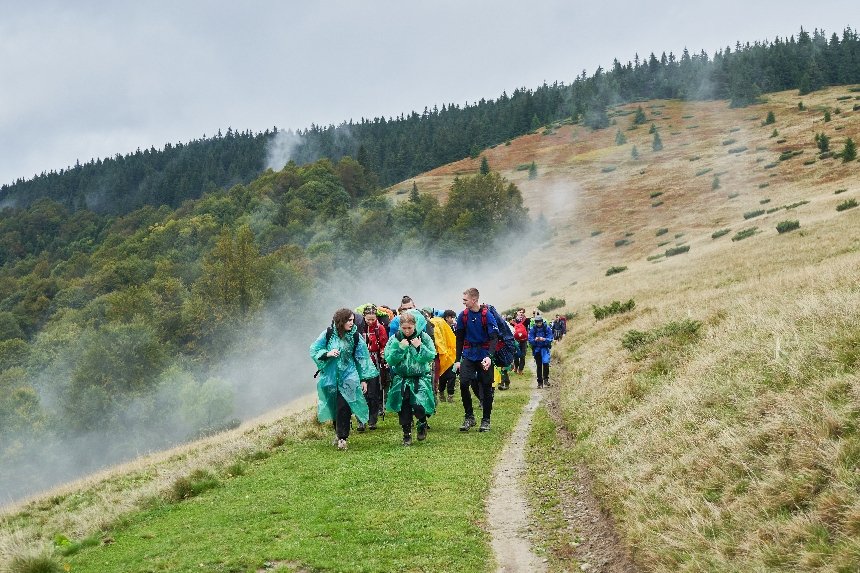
(718, 416)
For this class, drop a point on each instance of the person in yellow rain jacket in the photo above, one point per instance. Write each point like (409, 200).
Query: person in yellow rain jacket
(446, 351)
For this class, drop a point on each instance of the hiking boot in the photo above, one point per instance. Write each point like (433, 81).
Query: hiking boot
(407, 439)
(341, 444)
(540, 385)
(485, 426)
(468, 422)
(361, 427)
(371, 426)
(422, 431)
(547, 384)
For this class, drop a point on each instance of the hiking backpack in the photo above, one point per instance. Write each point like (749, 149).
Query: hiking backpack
(506, 348)
(521, 332)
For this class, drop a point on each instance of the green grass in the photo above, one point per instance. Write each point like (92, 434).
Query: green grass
(550, 463)
(377, 507)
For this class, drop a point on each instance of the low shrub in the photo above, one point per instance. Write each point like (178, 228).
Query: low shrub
(838, 191)
(682, 332)
(763, 185)
(845, 205)
(771, 165)
(537, 292)
(615, 307)
(615, 270)
(746, 233)
(193, 485)
(595, 233)
(677, 250)
(764, 201)
(720, 233)
(621, 242)
(842, 98)
(786, 226)
(729, 141)
(551, 304)
(703, 171)
(33, 564)
(753, 214)
(655, 194)
(695, 158)
(740, 149)
(523, 166)
(733, 195)
(661, 231)
(609, 169)
(656, 203)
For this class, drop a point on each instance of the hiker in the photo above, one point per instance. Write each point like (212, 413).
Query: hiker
(521, 316)
(559, 327)
(446, 352)
(375, 336)
(540, 338)
(409, 354)
(477, 335)
(521, 335)
(448, 378)
(344, 364)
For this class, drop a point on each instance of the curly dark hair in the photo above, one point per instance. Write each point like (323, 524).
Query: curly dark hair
(340, 318)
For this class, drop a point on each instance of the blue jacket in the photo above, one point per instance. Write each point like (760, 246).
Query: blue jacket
(541, 346)
(474, 341)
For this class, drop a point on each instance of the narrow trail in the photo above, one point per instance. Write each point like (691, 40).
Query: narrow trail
(507, 507)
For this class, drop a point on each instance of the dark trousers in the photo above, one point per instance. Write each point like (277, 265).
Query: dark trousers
(342, 417)
(473, 376)
(373, 397)
(447, 381)
(520, 361)
(541, 368)
(407, 410)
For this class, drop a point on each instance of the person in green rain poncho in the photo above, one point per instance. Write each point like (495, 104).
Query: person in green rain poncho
(409, 355)
(344, 363)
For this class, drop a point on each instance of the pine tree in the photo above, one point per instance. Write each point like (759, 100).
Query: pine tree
(653, 128)
(715, 184)
(849, 152)
(485, 165)
(657, 144)
(639, 118)
(634, 153)
(826, 115)
(822, 141)
(771, 118)
(532, 170)
(620, 138)
(414, 197)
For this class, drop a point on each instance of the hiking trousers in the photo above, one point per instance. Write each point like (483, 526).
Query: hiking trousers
(447, 381)
(520, 360)
(343, 417)
(373, 397)
(541, 369)
(472, 375)
(407, 410)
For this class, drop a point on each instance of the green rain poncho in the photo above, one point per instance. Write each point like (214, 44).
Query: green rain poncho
(343, 374)
(413, 367)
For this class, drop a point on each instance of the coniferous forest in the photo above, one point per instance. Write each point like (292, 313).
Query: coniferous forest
(400, 147)
(124, 280)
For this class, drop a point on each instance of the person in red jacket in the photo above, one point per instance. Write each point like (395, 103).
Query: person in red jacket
(376, 337)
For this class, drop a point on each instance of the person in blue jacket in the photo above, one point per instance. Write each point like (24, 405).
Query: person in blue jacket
(540, 339)
(477, 334)
(344, 364)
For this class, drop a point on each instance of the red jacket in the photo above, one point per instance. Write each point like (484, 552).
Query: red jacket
(376, 338)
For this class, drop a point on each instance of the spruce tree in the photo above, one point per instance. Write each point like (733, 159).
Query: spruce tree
(485, 165)
(827, 115)
(715, 184)
(639, 118)
(634, 153)
(771, 118)
(657, 144)
(620, 138)
(849, 152)
(414, 197)
(653, 128)
(532, 170)
(822, 141)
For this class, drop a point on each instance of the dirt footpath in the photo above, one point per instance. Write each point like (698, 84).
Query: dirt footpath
(507, 506)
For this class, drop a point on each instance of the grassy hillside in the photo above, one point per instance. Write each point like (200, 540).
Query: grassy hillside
(719, 415)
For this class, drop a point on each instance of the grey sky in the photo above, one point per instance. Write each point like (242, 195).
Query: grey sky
(91, 79)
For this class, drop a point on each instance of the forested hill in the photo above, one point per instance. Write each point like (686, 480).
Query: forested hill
(401, 147)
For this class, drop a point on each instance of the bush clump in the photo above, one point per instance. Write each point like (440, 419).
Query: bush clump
(681, 332)
(741, 235)
(193, 485)
(615, 270)
(550, 304)
(661, 231)
(849, 204)
(753, 214)
(740, 149)
(786, 226)
(615, 307)
(720, 233)
(677, 250)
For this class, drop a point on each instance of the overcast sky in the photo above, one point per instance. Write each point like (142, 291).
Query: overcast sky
(89, 79)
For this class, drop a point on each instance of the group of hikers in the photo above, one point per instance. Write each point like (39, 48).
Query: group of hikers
(372, 360)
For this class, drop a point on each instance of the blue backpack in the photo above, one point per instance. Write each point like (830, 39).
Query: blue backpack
(506, 348)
